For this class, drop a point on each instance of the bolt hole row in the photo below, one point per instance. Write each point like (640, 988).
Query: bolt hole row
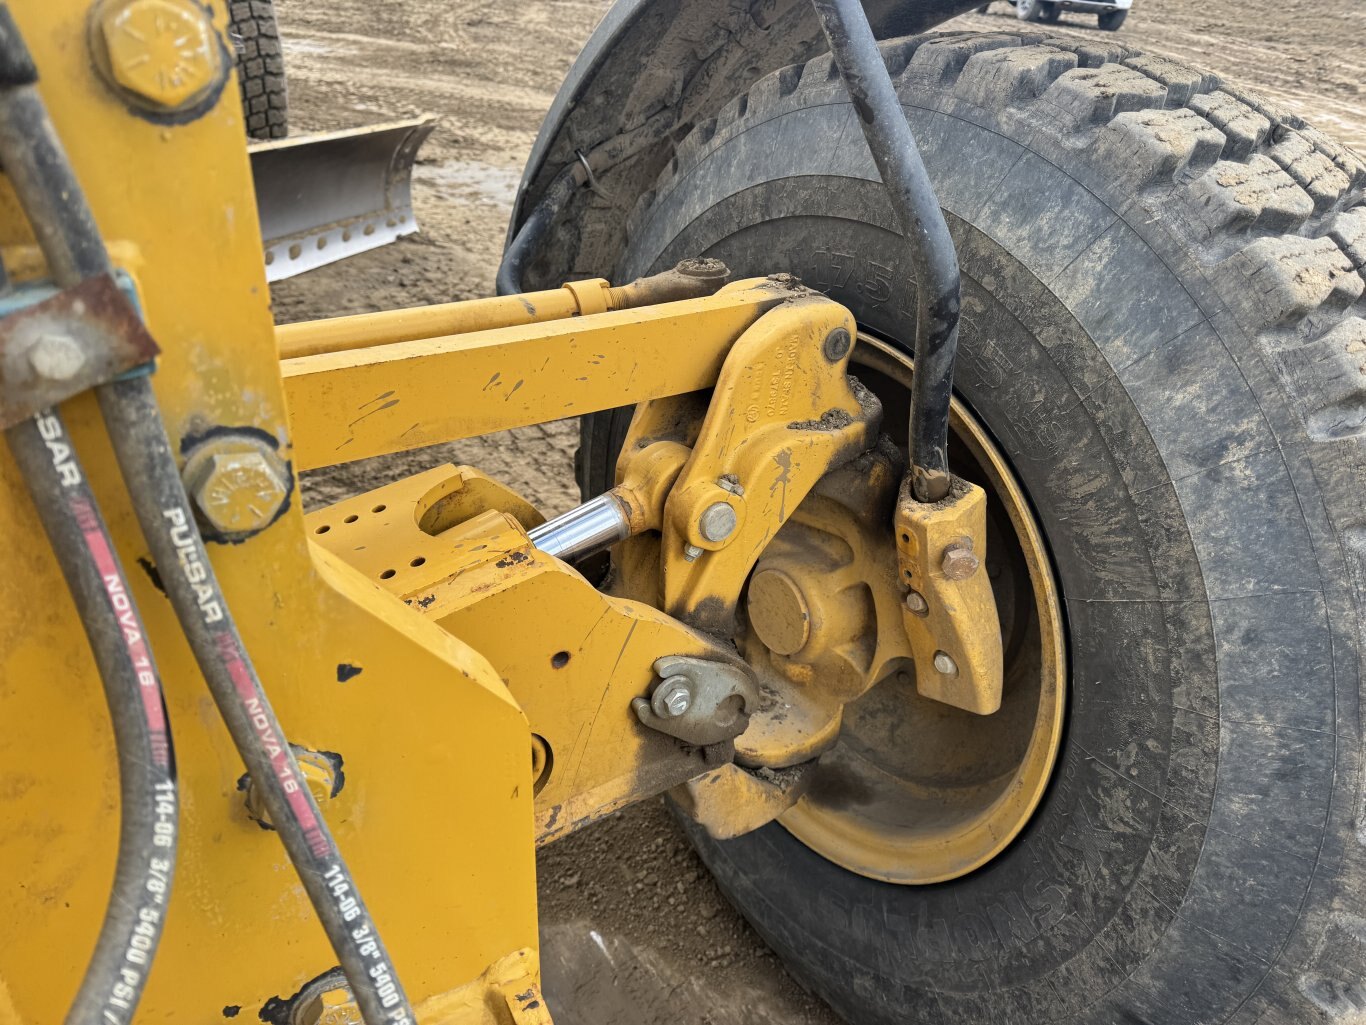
(325, 527)
(296, 249)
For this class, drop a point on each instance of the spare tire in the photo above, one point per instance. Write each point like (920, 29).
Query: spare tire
(1164, 337)
(260, 68)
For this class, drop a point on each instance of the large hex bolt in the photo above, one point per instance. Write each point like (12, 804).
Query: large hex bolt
(56, 357)
(238, 486)
(163, 52)
(335, 1006)
(959, 562)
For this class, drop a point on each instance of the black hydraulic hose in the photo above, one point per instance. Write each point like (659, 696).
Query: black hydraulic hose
(144, 868)
(117, 973)
(527, 242)
(36, 163)
(144, 454)
(922, 223)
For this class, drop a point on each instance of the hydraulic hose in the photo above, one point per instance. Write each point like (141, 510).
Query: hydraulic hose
(527, 242)
(144, 455)
(144, 867)
(932, 253)
(132, 927)
(36, 163)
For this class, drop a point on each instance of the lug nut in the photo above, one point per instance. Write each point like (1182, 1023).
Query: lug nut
(837, 344)
(917, 604)
(672, 698)
(959, 562)
(717, 522)
(691, 552)
(945, 665)
(56, 357)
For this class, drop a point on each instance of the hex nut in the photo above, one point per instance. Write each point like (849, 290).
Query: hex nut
(691, 553)
(56, 357)
(164, 52)
(237, 492)
(672, 697)
(916, 603)
(717, 522)
(959, 562)
(330, 1007)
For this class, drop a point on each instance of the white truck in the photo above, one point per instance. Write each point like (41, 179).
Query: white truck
(1110, 13)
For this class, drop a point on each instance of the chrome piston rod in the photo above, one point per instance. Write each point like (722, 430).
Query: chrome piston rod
(583, 530)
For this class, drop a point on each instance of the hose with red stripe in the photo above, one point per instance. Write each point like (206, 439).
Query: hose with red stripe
(136, 913)
(36, 164)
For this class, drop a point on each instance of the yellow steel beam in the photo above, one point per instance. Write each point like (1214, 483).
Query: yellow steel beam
(689, 280)
(341, 334)
(351, 405)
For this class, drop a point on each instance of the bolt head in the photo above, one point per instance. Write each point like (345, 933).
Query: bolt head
(319, 775)
(239, 492)
(56, 357)
(916, 602)
(837, 344)
(163, 51)
(691, 553)
(959, 562)
(672, 698)
(730, 484)
(944, 664)
(718, 521)
(330, 1007)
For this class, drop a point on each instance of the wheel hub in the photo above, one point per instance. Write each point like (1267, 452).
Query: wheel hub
(907, 789)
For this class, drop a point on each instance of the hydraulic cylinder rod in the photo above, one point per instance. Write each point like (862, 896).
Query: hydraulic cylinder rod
(584, 529)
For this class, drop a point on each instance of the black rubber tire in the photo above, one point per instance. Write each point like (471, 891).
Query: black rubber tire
(1112, 20)
(260, 68)
(1051, 12)
(1164, 330)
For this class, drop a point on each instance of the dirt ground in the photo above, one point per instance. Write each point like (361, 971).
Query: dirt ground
(634, 931)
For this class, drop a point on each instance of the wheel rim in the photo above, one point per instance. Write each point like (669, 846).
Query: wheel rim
(917, 792)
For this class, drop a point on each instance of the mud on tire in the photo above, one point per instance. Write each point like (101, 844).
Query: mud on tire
(1164, 330)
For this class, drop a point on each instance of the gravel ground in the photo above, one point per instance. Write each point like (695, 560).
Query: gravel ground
(634, 931)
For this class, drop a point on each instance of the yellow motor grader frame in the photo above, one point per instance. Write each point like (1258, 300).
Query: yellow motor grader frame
(454, 690)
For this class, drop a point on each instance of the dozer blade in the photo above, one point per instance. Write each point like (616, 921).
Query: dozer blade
(324, 197)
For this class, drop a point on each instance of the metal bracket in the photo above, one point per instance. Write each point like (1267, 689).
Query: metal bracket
(699, 701)
(730, 801)
(54, 345)
(950, 611)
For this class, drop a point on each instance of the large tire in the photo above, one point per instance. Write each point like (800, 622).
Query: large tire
(1111, 21)
(1163, 329)
(260, 68)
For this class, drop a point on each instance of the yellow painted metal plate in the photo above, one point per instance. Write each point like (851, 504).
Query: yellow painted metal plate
(435, 749)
